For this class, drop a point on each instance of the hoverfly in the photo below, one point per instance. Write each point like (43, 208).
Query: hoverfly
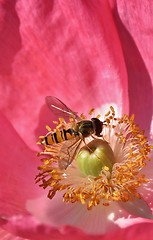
(72, 137)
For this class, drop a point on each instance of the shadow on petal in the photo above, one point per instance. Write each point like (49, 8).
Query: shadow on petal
(140, 86)
(138, 208)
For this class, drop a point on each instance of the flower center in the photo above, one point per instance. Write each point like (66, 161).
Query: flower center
(102, 170)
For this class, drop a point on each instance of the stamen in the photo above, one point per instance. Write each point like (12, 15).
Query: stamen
(105, 169)
(91, 111)
(48, 128)
(98, 116)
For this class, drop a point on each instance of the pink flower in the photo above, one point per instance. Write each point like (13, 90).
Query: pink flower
(88, 54)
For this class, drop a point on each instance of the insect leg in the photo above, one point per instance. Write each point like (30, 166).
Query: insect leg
(72, 148)
(89, 147)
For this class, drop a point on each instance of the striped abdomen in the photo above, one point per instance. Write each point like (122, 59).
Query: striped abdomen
(60, 136)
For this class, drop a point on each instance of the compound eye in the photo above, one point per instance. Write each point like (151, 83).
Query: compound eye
(98, 126)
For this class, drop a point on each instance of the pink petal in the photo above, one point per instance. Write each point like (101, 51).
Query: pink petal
(97, 221)
(56, 213)
(59, 49)
(73, 51)
(4, 235)
(134, 23)
(18, 169)
(27, 227)
(137, 232)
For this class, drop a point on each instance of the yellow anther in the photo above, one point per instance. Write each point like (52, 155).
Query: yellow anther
(48, 128)
(91, 111)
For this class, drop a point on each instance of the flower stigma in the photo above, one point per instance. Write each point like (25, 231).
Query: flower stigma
(94, 157)
(95, 170)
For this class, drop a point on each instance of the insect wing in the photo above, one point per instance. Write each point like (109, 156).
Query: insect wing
(68, 152)
(59, 108)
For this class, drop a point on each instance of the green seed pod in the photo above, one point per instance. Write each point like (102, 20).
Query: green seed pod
(95, 156)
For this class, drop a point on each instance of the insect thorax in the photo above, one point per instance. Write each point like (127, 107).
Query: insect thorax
(85, 127)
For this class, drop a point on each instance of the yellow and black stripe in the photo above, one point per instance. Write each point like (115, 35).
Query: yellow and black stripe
(60, 136)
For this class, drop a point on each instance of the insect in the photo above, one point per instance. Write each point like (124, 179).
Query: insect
(73, 136)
